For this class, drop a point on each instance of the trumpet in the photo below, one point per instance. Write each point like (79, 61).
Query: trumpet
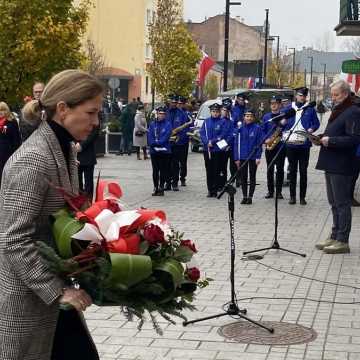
(194, 136)
(174, 135)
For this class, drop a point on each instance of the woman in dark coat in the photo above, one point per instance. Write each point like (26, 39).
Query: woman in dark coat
(10, 138)
(32, 326)
(127, 128)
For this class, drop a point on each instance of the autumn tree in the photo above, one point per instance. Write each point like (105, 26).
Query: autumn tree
(211, 88)
(280, 72)
(175, 54)
(37, 39)
(95, 61)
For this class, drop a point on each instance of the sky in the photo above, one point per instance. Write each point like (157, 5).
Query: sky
(298, 22)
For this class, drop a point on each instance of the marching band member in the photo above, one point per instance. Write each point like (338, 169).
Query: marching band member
(272, 149)
(248, 137)
(212, 133)
(227, 154)
(177, 119)
(239, 108)
(159, 141)
(298, 146)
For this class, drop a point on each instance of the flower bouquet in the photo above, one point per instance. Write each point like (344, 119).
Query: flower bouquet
(132, 259)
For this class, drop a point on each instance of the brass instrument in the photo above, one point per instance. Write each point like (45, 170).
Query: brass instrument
(194, 136)
(174, 137)
(274, 139)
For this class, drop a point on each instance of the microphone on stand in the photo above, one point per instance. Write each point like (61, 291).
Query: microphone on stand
(309, 105)
(286, 115)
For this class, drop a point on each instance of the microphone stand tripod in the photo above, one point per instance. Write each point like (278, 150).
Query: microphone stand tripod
(276, 245)
(232, 307)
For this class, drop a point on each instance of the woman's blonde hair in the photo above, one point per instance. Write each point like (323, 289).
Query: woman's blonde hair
(73, 87)
(8, 114)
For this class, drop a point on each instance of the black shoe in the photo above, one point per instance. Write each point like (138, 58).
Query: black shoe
(269, 196)
(167, 187)
(303, 201)
(244, 201)
(292, 201)
(211, 195)
(249, 201)
(175, 188)
(155, 192)
(280, 196)
(355, 203)
(160, 192)
(183, 182)
(120, 153)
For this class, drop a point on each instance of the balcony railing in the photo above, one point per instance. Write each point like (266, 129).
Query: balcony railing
(349, 23)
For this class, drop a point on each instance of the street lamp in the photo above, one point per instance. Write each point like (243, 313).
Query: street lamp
(324, 81)
(266, 45)
(272, 37)
(311, 74)
(305, 75)
(226, 42)
(293, 65)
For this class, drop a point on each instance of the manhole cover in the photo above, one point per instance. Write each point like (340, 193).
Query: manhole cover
(284, 333)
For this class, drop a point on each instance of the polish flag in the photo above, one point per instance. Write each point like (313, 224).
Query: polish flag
(206, 64)
(250, 83)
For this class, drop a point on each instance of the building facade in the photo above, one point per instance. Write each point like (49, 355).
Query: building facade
(246, 43)
(119, 30)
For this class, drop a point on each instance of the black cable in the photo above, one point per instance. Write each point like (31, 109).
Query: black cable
(300, 298)
(306, 277)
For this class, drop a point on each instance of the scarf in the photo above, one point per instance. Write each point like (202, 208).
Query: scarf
(339, 109)
(3, 122)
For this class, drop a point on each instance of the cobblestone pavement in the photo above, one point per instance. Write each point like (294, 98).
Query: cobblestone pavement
(205, 221)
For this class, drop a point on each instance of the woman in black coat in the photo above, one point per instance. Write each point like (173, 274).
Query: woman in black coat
(10, 138)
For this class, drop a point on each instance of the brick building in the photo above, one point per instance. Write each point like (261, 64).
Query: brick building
(245, 42)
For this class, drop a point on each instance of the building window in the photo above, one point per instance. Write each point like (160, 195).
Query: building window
(148, 17)
(147, 85)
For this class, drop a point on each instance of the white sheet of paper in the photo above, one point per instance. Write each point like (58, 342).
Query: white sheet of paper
(125, 218)
(88, 233)
(222, 144)
(160, 148)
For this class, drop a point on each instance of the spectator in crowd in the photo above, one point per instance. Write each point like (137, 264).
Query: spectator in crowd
(127, 128)
(86, 155)
(26, 129)
(10, 138)
(140, 132)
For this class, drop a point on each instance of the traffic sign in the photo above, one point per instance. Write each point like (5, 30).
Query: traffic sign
(114, 83)
(351, 67)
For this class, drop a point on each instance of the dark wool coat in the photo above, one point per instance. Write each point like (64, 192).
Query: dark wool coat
(343, 130)
(28, 291)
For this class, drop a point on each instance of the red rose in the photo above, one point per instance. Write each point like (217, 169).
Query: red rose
(189, 244)
(113, 206)
(193, 274)
(153, 234)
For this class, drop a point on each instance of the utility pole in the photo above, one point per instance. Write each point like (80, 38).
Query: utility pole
(226, 42)
(293, 65)
(324, 80)
(266, 45)
(305, 75)
(311, 74)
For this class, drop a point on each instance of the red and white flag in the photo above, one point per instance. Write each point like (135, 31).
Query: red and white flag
(206, 64)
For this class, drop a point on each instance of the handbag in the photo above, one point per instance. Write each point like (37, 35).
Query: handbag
(139, 133)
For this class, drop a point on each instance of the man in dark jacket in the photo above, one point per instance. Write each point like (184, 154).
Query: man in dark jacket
(87, 161)
(337, 156)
